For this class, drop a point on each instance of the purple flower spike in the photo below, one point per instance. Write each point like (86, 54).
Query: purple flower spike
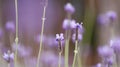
(105, 51)
(10, 26)
(112, 15)
(69, 8)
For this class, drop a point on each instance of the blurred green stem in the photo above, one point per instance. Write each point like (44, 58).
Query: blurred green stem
(75, 53)
(43, 21)
(59, 63)
(67, 47)
(16, 39)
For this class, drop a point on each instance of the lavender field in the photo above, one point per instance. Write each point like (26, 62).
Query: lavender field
(59, 33)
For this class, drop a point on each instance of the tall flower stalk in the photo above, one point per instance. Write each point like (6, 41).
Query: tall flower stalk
(59, 39)
(59, 63)
(67, 47)
(77, 36)
(79, 58)
(42, 30)
(70, 10)
(16, 39)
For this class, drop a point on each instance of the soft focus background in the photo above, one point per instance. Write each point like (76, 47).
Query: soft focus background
(30, 14)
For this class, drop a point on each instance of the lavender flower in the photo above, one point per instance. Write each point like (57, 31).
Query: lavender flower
(112, 15)
(79, 27)
(22, 50)
(8, 56)
(99, 65)
(107, 18)
(52, 60)
(49, 60)
(37, 38)
(110, 61)
(59, 37)
(103, 19)
(79, 37)
(10, 26)
(115, 44)
(69, 8)
(105, 51)
(68, 24)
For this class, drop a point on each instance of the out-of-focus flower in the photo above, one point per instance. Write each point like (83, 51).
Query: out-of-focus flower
(105, 51)
(103, 19)
(10, 26)
(107, 18)
(69, 8)
(22, 50)
(74, 37)
(51, 59)
(30, 61)
(79, 27)
(115, 44)
(68, 24)
(112, 15)
(8, 56)
(99, 65)
(110, 61)
(37, 38)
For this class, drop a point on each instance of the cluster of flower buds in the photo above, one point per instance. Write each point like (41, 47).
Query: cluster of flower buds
(8, 56)
(59, 39)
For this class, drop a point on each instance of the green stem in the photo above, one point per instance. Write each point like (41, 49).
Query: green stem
(75, 53)
(79, 58)
(67, 47)
(8, 64)
(43, 21)
(16, 39)
(59, 63)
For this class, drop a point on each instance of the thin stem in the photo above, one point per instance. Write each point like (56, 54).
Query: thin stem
(42, 29)
(117, 60)
(75, 53)
(79, 58)
(67, 47)
(16, 39)
(59, 63)
(8, 64)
